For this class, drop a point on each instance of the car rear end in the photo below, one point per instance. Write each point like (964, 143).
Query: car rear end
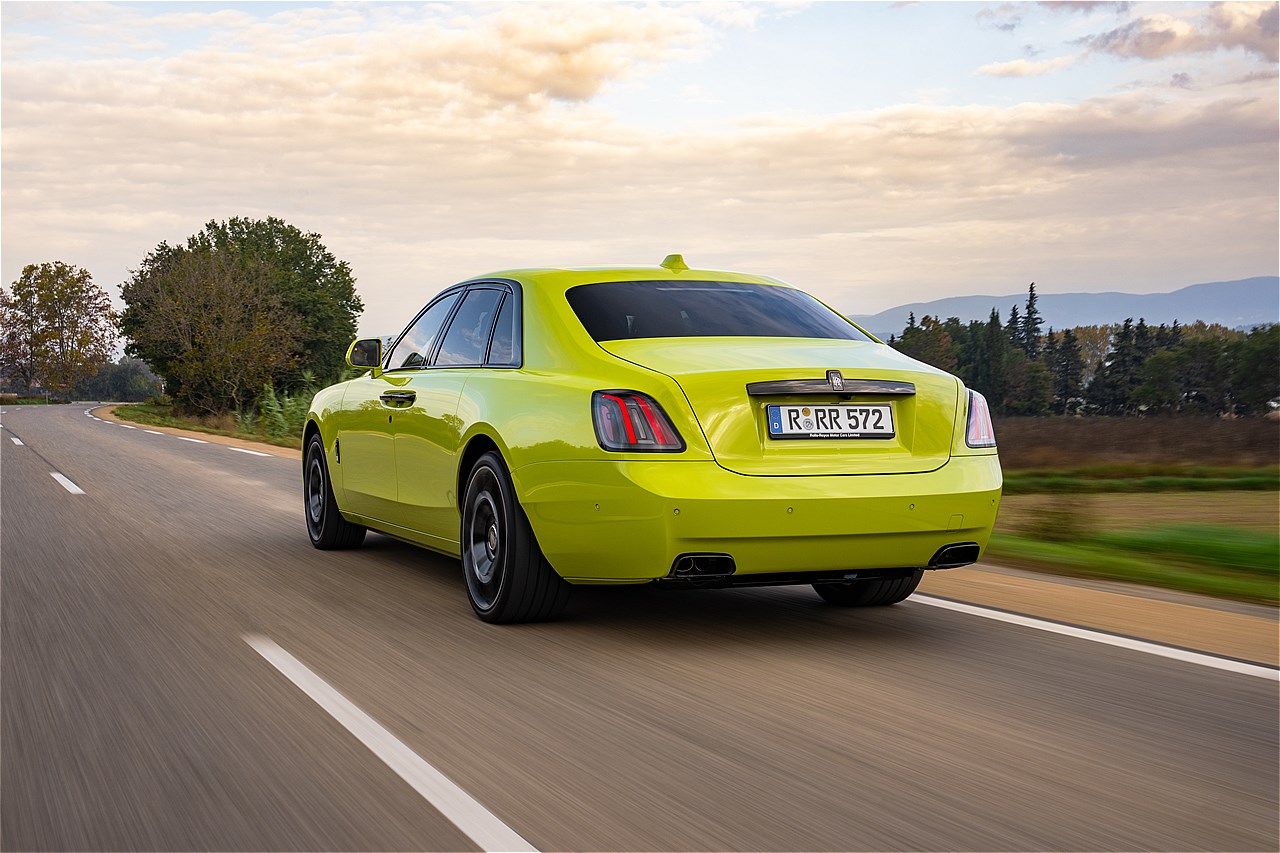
(828, 455)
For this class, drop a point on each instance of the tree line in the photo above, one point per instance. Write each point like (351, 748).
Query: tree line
(1126, 368)
(242, 311)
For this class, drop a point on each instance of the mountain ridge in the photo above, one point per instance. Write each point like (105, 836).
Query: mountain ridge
(1240, 302)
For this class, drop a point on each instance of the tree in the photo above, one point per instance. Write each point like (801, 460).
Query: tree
(1095, 344)
(21, 336)
(56, 327)
(293, 272)
(1255, 378)
(221, 322)
(1068, 372)
(128, 380)
(1032, 322)
(990, 364)
(1013, 328)
(929, 342)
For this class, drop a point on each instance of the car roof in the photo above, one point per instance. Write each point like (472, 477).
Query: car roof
(553, 279)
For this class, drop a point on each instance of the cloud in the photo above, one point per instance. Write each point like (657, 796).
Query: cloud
(428, 144)
(1006, 17)
(1085, 6)
(1180, 80)
(1251, 27)
(1026, 67)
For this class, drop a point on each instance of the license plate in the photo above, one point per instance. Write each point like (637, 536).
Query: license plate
(831, 422)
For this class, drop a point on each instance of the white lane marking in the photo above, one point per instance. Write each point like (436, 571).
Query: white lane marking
(153, 432)
(194, 440)
(15, 440)
(1212, 661)
(476, 822)
(126, 426)
(247, 450)
(66, 484)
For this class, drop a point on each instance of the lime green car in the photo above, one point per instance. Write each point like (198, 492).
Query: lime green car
(554, 427)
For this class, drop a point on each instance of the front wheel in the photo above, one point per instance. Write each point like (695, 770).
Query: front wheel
(876, 592)
(508, 579)
(328, 530)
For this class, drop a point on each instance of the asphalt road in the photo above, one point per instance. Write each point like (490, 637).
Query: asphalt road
(136, 716)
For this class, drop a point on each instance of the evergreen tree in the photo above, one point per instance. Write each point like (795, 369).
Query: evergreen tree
(1013, 328)
(911, 320)
(1068, 372)
(1031, 325)
(990, 368)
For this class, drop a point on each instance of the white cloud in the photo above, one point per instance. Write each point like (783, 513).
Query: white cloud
(1027, 67)
(1251, 27)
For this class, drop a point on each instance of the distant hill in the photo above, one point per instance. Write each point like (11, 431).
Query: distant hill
(1242, 303)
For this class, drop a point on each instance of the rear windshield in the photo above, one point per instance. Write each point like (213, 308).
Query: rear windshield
(614, 311)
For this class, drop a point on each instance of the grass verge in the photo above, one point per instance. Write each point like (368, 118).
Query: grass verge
(1141, 478)
(154, 414)
(1220, 561)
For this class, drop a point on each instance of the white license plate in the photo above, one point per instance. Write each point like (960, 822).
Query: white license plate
(831, 422)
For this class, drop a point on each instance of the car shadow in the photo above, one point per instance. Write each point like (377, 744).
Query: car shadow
(653, 615)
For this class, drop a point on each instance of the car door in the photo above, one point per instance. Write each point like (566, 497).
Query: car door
(428, 433)
(366, 436)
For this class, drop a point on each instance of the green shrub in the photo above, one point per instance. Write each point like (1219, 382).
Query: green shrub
(284, 414)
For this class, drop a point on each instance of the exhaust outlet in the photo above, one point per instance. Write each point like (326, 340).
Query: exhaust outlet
(954, 556)
(703, 566)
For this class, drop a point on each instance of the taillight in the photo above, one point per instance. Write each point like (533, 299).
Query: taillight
(631, 421)
(980, 432)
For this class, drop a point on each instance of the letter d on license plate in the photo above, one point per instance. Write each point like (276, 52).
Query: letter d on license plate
(831, 421)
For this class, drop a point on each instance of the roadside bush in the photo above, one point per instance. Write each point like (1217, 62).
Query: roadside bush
(282, 414)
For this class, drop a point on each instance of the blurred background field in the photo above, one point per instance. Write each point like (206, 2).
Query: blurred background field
(1185, 503)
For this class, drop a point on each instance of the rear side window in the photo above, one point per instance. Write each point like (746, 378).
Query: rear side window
(468, 336)
(502, 350)
(414, 347)
(612, 311)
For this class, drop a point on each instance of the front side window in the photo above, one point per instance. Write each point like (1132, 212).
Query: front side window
(467, 339)
(415, 345)
(612, 311)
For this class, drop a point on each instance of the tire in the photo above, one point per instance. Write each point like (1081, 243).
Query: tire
(328, 530)
(869, 593)
(508, 579)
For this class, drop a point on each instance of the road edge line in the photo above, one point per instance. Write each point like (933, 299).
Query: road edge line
(1093, 635)
(460, 808)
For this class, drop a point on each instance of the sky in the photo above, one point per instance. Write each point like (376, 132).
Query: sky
(874, 154)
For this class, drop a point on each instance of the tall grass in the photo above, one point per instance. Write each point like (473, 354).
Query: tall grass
(282, 414)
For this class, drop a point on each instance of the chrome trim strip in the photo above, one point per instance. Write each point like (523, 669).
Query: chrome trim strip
(780, 387)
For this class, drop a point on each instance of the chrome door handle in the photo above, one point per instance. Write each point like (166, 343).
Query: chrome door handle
(398, 398)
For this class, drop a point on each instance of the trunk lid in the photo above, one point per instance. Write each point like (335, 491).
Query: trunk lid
(714, 374)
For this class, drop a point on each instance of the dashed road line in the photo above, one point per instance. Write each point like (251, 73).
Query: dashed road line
(153, 431)
(247, 450)
(192, 440)
(66, 483)
(1173, 652)
(460, 808)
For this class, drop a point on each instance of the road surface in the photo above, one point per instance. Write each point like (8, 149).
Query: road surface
(181, 670)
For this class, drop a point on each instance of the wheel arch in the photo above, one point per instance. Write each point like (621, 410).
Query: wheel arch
(479, 442)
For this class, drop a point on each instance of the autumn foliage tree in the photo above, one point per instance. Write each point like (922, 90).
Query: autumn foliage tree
(225, 331)
(56, 327)
(241, 303)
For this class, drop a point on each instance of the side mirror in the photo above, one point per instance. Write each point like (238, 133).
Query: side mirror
(366, 352)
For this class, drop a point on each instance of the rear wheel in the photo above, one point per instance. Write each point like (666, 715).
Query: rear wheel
(327, 528)
(876, 592)
(508, 578)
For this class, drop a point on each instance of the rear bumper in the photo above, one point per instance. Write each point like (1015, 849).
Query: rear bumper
(628, 521)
